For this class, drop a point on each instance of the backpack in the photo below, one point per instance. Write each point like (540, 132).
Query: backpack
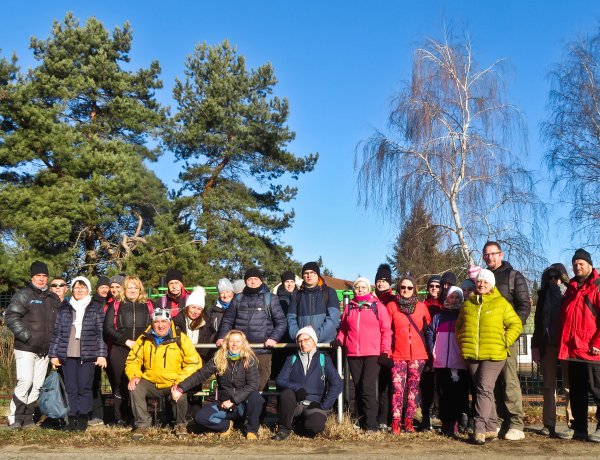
(117, 304)
(321, 362)
(373, 308)
(53, 401)
(267, 302)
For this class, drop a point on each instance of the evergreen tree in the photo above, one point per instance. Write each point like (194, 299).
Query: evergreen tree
(417, 249)
(73, 141)
(230, 134)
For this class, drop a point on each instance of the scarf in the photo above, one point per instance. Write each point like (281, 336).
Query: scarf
(157, 339)
(222, 304)
(233, 356)
(452, 306)
(79, 306)
(249, 291)
(407, 306)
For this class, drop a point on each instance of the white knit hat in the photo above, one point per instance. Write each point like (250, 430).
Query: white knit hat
(308, 330)
(458, 291)
(362, 279)
(84, 280)
(487, 275)
(197, 297)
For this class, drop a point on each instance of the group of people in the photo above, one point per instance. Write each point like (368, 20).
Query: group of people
(400, 349)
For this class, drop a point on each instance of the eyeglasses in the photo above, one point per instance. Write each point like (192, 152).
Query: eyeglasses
(434, 286)
(406, 288)
(55, 285)
(304, 340)
(491, 254)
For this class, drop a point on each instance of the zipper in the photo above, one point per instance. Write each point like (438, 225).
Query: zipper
(478, 330)
(358, 332)
(133, 328)
(448, 348)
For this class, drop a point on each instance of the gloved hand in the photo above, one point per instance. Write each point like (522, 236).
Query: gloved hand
(300, 394)
(385, 360)
(314, 405)
(336, 344)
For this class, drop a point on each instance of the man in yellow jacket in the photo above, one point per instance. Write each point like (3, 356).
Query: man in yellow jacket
(161, 357)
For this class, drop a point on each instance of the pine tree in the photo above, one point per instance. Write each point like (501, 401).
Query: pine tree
(230, 134)
(73, 141)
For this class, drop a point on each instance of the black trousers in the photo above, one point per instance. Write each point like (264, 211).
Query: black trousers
(118, 381)
(365, 372)
(427, 387)
(385, 389)
(584, 378)
(313, 420)
(453, 396)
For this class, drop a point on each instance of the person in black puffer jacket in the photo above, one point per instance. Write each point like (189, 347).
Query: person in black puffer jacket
(77, 347)
(261, 323)
(30, 316)
(126, 319)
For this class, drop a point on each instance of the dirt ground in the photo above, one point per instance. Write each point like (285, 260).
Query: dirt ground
(105, 443)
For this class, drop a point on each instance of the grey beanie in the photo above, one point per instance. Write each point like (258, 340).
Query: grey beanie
(224, 285)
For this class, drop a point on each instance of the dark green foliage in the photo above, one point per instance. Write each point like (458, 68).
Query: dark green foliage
(230, 134)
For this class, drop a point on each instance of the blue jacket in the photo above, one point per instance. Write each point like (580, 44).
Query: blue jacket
(308, 309)
(247, 313)
(91, 341)
(314, 382)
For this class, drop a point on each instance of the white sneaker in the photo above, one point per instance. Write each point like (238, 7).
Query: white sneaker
(514, 435)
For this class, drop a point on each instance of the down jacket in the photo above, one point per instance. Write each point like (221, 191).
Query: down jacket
(30, 316)
(165, 365)
(309, 309)
(362, 332)
(579, 319)
(487, 325)
(322, 384)
(519, 297)
(91, 343)
(442, 343)
(409, 334)
(248, 314)
(235, 384)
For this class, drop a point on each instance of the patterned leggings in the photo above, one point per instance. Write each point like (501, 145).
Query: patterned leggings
(405, 377)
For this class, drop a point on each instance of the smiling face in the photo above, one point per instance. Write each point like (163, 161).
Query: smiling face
(382, 285)
(103, 290)
(234, 343)
(226, 296)
(581, 269)
(59, 287)
(453, 298)
(406, 289)
(483, 287)
(492, 255)
(289, 285)
(161, 327)
(306, 343)
(175, 287)
(79, 290)
(253, 282)
(115, 289)
(132, 291)
(361, 289)
(433, 289)
(194, 311)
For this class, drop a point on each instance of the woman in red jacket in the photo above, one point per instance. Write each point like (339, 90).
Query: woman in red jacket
(366, 337)
(409, 319)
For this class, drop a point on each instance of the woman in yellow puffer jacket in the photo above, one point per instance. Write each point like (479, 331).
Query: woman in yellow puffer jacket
(487, 325)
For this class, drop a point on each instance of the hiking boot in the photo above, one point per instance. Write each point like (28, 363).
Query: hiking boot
(491, 435)
(569, 434)
(478, 439)
(408, 425)
(95, 422)
(71, 424)
(595, 436)
(227, 432)
(282, 435)
(250, 436)
(547, 431)
(82, 423)
(180, 430)
(514, 434)
(425, 424)
(396, 426)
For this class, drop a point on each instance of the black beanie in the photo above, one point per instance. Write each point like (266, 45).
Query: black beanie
(384, 272)
(582, 254)
(449, 278)
(311, 266)
(287, 275)
(174, 275)
(253, 273)
(103, 281)
(434, 278)
(38, 268)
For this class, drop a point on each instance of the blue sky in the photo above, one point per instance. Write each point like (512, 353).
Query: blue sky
(339, 63)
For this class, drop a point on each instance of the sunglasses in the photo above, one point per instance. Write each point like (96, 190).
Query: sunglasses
(55, 285)
(406, 288)
(434, 286)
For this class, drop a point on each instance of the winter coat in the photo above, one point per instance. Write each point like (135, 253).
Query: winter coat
(385, 297)
(133, 318)
(206, 334)
(174, 304)
(408, 338)
(487, 325)
(285, 300)
(248, 314)
(322, 384)
(165, 365)
(235, 384)
(309, 309)
(433, 305)
(442, 343)
(30, 316)
(364, 333)
(519, 297)
(579, 319)
(547, 310)
(91, 343)
(215, 316)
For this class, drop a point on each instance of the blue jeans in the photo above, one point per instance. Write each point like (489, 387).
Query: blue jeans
(213, 418)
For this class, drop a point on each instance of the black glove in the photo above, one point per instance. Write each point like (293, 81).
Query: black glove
(301, 394)
(314, 405)
(385, 361)
(336, 344)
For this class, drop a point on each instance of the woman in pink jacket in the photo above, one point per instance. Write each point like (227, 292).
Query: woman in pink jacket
(409, 319)
(366, 337)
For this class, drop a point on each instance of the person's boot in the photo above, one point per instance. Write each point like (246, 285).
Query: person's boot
(82, 423)
(71, 424)
(396, 426)
(408, 425)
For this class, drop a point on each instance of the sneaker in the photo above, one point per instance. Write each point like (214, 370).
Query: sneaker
(383, 427)
(96, 421)
(491, 435)
(569, 434)
(595, 436)
(281, 436)
(547, 431)
(250, 436)
(180, 430)
(478, 439)
(514, 435)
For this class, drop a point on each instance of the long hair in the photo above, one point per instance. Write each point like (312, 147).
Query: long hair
(143, 297)
(246, 354)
